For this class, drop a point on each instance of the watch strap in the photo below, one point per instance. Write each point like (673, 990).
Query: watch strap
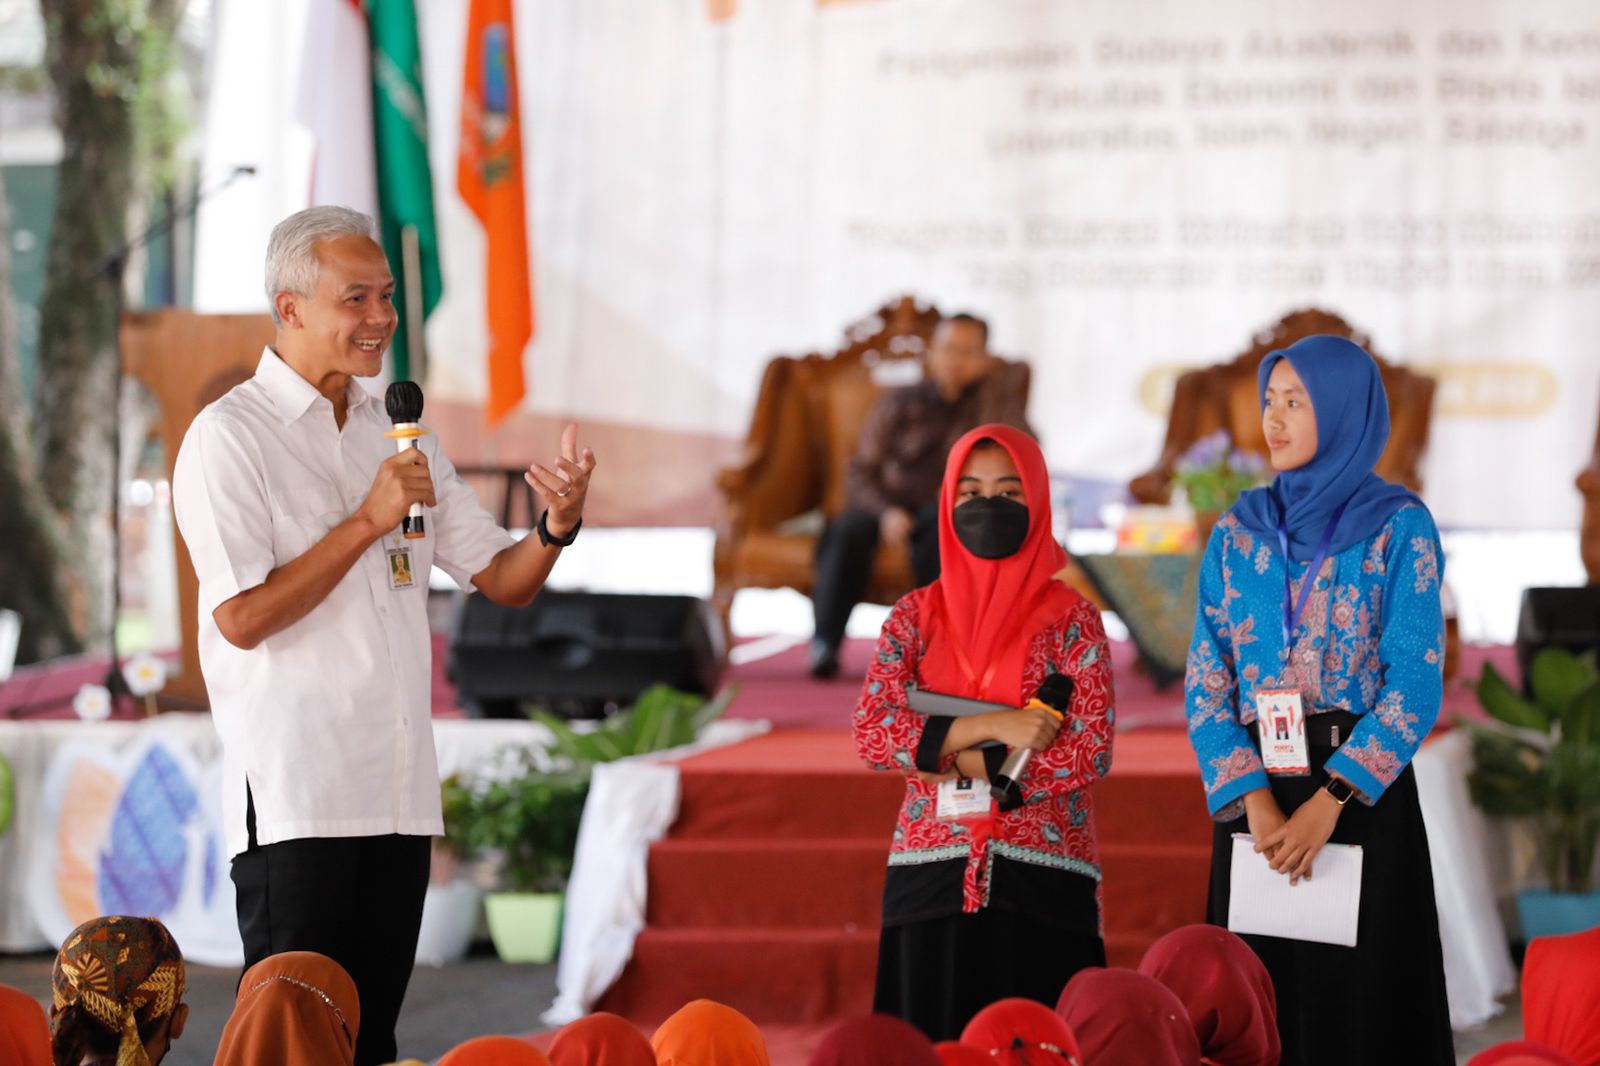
(549, 540)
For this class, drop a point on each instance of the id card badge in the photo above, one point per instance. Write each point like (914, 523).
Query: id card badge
(400, 573)
(962, 797)
(1281, 722)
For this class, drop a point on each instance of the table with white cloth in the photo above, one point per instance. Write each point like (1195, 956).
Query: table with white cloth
(126, 817)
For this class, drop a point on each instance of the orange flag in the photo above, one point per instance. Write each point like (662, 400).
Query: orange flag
(489, 175)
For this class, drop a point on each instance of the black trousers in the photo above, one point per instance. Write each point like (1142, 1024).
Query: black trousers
(1340, 1005)
(357, 900)
(844, 562)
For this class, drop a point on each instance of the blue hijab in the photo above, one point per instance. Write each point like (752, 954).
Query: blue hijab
(1352, 412)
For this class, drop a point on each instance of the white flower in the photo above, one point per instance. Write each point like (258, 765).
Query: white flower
(145, 674)
(93, 703)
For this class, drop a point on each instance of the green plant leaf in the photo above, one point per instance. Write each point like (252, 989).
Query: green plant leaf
(1503, 703)
(8, 796)
(1558, 676)
(1509, 777)
(1580, 722)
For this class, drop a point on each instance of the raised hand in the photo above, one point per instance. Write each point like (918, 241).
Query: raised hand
(563, 485)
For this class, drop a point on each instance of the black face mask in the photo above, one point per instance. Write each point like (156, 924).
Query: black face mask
(991, 527)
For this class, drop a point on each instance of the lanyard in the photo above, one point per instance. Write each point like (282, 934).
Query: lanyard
(1292, 610)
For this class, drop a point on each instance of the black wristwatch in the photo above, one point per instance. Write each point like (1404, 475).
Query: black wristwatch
(1339, 789)
(549, 540)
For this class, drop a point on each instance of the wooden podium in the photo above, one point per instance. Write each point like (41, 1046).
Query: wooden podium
(187, 360)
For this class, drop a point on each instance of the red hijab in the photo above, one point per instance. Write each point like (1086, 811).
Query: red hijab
(1020, 1032)
(1225, 989)
(1519, 1053)
(601, 1039)
(1123, 1016)
(1561, 994)
(953, 1054)
(875, 1040)
(494, 1051)
(981, 615)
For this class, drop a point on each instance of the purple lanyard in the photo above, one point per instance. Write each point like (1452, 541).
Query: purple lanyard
(1292, 610)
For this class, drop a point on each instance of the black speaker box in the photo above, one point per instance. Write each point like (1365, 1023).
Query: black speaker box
(581, 654)
(1557, 617)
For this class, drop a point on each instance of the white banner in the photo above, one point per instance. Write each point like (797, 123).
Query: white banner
(1121, 188)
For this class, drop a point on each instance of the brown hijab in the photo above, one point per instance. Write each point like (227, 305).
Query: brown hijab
(294, 1009)
(118, 975)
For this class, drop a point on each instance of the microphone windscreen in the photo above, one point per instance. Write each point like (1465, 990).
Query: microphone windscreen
(1056, 691)
(404, 401)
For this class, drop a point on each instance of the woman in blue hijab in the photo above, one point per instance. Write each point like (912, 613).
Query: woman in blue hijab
(1315, 672)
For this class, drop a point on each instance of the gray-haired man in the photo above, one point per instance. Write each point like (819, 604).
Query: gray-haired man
(313, 641)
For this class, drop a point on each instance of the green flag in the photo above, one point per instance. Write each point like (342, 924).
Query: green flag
(405, 185)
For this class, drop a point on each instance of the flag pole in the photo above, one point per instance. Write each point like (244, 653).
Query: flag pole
(411, 267)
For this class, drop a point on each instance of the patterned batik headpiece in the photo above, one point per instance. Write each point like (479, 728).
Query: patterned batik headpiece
(122, 973)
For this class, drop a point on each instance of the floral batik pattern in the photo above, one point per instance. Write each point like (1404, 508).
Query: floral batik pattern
(1371, 642)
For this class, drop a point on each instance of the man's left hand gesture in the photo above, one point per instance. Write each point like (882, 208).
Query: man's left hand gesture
(564, 484)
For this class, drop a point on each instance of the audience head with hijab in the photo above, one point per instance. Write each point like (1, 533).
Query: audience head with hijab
(955, 1053)
(117, 993)
(495, 1051)
(1561, 994)
(601, 1039)
(1225, 989)
(24, 1032)
(875, 1040)
(707, 1033)
(294, 1009)
(1020, 1032)
(1124, 1016)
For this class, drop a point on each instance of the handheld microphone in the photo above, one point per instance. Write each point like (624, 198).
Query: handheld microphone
(404, 403)
(1054, 695)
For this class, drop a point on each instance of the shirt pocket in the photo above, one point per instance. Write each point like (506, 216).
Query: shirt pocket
(301, 517)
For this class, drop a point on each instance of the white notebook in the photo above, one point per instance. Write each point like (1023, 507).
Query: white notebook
(1324, 909)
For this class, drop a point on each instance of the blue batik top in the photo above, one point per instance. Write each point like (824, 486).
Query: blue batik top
(1371, 642)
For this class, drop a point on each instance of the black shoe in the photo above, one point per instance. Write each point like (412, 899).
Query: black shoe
(824, 660)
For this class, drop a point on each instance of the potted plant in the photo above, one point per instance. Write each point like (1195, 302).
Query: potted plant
(8, 796)
(523, 818)
(1212, 474)
(1539, 760)
(662, 717)
(450, 907)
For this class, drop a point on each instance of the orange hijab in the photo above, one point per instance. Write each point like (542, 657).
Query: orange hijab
(494, 1051)
(601, 1040)
(704, 1033)
(980, 617)
(294, 1009)
(24, 1032)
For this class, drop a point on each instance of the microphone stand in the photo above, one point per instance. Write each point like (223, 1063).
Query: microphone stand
(112, 266)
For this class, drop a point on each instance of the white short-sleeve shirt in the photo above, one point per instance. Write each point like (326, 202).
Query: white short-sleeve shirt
(328, 720)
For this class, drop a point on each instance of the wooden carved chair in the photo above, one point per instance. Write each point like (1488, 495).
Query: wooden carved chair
(1224, 397)
(1589, 531)
(791, 476)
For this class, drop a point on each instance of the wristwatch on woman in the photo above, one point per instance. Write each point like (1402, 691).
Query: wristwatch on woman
(1339, 789)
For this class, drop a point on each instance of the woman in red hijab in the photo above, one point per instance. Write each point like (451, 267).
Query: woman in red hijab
(1020, 1032)
(1561, 994)
(982, 902)
(601, 1039)
(952, 1053)
(1226, 991)
(1520, 1053)
(874, 1040)
(706, 1033)
(494, 1051)
(1122, 1016)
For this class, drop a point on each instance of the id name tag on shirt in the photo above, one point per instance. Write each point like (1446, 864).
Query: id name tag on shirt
(400, 573)
(1281, 721)
(962, 798)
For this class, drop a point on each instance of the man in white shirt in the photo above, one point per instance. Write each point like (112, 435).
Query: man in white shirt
(314, 639)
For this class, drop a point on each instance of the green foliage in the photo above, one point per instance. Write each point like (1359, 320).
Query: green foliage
(525, 811)
(661, 718)
(1541, 760)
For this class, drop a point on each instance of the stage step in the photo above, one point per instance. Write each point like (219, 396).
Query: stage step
(810, 884)
(851, 804)
(792, 976)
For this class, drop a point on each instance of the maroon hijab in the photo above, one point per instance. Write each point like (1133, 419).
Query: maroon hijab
(875, 1040)
(1225, 989)
(1122, 1016)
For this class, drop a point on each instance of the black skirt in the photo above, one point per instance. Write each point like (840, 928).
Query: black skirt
(1382, 1001)
(938, 973)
